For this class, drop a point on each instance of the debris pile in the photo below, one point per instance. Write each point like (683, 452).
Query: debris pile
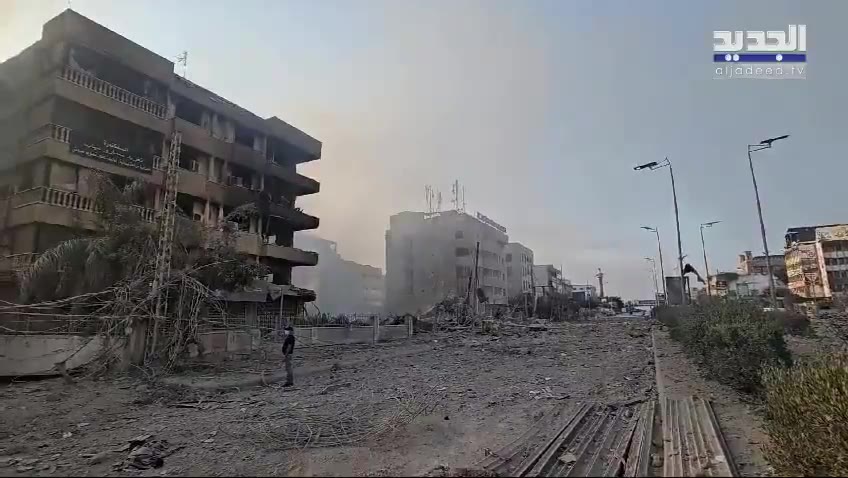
(309, 428)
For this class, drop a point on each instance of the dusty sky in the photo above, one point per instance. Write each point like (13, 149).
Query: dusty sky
(540, 108)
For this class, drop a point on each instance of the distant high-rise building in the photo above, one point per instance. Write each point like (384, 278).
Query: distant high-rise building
(519, 269)
(430, 256)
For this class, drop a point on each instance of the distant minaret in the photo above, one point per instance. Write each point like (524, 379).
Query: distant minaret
(600, 277)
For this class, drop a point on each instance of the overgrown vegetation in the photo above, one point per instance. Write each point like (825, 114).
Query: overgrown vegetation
(123, 245)
(807, 417)
(731, 340)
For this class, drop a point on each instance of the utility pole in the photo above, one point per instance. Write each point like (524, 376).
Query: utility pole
(476, 279)
(167, 224)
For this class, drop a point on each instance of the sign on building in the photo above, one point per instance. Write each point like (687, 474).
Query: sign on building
(832, 233)
(110, 152)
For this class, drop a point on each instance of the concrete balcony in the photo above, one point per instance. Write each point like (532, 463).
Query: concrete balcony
(254, 245)
(305, 185)
(91, 82)
(62, 208)
(100, 95)
(298, 219)
(291, 254)
(199, 138)
(53, 141)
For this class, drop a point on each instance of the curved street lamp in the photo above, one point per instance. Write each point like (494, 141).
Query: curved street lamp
(666, 163)
(704, 247)
(662, 268)
(752, 148)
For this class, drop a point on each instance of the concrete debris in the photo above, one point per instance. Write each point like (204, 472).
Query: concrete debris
(568, 458)
(334, 387)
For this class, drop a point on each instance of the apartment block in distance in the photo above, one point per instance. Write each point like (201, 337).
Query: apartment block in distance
(749, 264)
(817, 262)
(85, 100)
(548, 279)
(519, 269)
(430, 256)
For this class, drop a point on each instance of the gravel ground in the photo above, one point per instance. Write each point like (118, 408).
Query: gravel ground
(738, 419)
(480, 392)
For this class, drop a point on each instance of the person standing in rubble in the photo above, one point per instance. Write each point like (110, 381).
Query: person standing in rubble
(288, 350)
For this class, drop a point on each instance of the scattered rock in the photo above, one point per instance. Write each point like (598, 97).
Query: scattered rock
(142, 388)
(656, 460)
(99, 457)
(334, 387)
(67, 435)
(568, 458)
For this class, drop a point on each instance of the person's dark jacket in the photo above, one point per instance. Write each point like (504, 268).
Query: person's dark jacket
(288, 344)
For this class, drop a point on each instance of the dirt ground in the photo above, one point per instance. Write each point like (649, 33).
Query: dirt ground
(475, 393)
(739, 419)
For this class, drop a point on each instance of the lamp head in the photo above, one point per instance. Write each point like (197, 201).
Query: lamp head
(650, 165)
(768, 142)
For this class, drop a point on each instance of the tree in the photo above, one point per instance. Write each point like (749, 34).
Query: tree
(123, 245)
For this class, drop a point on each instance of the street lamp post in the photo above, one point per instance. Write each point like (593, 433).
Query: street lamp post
(666, 163)
(752, 148)
(704, 247)
(662, 268)
(654, 274)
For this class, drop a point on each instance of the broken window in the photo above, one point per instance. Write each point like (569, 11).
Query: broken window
(189, 111)
(244, 136)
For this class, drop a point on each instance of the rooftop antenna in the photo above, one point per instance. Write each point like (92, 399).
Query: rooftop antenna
(439, 201)
(182, 59)
(463, 198)
(455, 194)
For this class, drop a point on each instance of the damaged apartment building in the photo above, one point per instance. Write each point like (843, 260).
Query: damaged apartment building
(431, 256)
(817, 263)
(84, 100)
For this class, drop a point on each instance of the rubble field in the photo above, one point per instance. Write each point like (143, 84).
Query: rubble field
(425, 406)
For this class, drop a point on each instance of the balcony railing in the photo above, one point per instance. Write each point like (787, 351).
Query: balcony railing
(91, 82)
(68, 200)
(55, 132)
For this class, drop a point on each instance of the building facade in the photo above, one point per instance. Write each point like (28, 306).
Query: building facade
(519, 269)
(750, 285)
(747, 263)
(84, 101)
(341, 286)
(584, 292)
(817, 262)
(548, 279)
(431, 256)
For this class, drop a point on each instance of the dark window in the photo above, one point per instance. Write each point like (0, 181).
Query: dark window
(462, 251)
(458, 235)
(509, 257)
